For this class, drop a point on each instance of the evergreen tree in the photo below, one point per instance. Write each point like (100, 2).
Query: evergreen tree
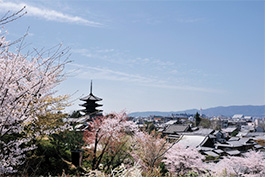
(197, 119)
(75, 114)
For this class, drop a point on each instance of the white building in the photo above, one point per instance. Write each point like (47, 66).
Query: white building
(238, 116)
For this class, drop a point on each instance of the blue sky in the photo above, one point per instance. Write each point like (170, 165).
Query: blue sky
(152, 55)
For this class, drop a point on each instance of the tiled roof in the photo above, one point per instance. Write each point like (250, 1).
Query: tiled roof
(203, 131)
(233, 152)
(176, 129)
(229, 129)
(192, 140)
(218, 151)
(235, 143)
(257, 146)
(234, 139)
(211, 153)
(201, 148)
(90, 104)
(171, 122)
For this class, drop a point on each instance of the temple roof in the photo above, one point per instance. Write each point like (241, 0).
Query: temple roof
(91, 111)
(90, 104)
(91, 97)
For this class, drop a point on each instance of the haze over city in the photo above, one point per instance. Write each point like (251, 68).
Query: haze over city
(152, 55)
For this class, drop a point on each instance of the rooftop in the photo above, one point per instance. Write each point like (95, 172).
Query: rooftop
(192, 140)
(91, 97)
(171, 129)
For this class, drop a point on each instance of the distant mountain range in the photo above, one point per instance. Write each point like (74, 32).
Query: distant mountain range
(247, 110)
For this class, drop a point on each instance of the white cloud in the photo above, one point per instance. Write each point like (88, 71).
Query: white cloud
(150, 72)
(47, 14)
(188, 88)
(120, 57)
(108, 74)
(86, 72)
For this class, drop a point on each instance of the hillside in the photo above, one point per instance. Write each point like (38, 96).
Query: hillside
(249, 110)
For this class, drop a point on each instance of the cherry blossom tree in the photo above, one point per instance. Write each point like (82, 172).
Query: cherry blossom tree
(106, 136)
(7, 18)
(251, 164)
(181, 160)
(148, 149)
(26, 80)
(50, 121)
(122, 170)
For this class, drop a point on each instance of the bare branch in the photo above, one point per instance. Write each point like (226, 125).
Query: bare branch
(9, 18)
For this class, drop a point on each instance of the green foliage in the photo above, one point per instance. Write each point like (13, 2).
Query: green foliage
(50, 158)
(75, 114)
(210, 158)
(234, 133)
(205, 123)
(71, 140)
(190, 174)
(53, 155)
(163, 169)
(149, 127)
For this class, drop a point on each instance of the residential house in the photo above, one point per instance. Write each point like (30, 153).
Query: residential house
(230, 130)
(174, 131)
(235, 144)
(238, 116)
(195, 141)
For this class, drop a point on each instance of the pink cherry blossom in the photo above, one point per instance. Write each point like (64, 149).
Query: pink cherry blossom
(105, 134)
(25, 82)
(181, 160)
(251, 164)
(148, 149)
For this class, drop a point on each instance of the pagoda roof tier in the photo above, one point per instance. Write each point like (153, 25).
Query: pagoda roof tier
(90, 105)
(91, 97)
(94, 111)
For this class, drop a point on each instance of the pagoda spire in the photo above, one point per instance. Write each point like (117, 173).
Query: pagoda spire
(91, 87)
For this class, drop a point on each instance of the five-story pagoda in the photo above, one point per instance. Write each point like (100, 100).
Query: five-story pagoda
(90, 104)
